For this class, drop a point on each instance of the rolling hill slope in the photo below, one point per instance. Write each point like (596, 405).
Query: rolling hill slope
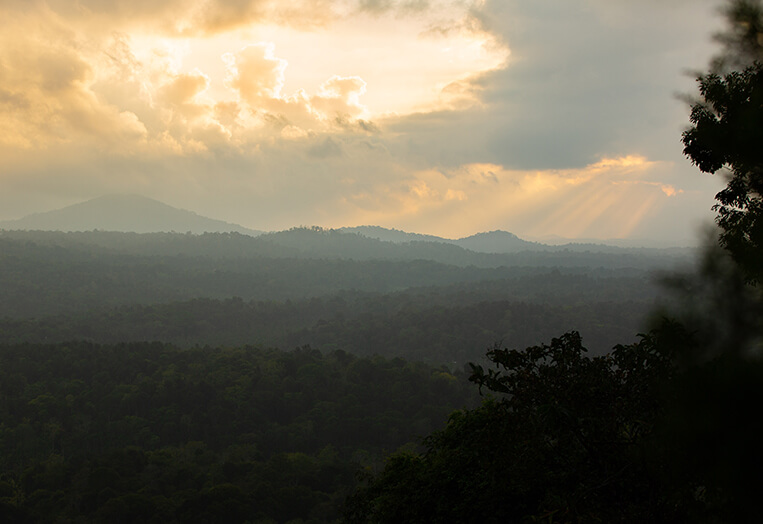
(126, 213)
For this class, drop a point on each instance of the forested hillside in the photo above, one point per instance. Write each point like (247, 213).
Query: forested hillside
(121, 212)
(136, 383)
(147, 432)
(234, 289)
(319, 243)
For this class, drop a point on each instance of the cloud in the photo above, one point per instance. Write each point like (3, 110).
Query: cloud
(339, 97)
(256, 73)
(385, 6)
(583, 79)
(216, 16)
(45, 84)
(209, 17)
(668, 189)
(611, 198)
(184, 88)
(188, 17)
(258, 76)
(81, 69)
(537, 117)
(328, 147)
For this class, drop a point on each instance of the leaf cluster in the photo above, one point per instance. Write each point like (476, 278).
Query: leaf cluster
(726, 133)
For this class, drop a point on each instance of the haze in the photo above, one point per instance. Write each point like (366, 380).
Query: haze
(543, 118)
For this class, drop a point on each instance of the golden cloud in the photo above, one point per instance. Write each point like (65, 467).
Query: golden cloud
(607, 199)
(256, 73)
(111, 74)
(339, 97)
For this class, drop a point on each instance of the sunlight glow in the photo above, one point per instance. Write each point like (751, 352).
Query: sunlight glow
(362, 49)
(607, 199)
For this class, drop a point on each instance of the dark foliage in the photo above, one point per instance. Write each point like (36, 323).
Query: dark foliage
(150, 433)
(727, 132)
(565, 442)
(741, 39)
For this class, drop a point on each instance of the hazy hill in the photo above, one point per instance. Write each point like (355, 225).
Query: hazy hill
(392, 235)
(423, 299)
(128, 213)
(492, 242)
(494, 249)
(501, 242)
(332, 244)
(138, 214)
(317, 242)
(497, 242)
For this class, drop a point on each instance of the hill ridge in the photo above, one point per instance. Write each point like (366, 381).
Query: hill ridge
(124, 213)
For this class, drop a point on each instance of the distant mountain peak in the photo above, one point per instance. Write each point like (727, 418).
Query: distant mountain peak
(392, 235)
(496, 233)
(124, 212)
(496, 241)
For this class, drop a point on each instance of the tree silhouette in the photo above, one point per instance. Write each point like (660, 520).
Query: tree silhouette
(564, 441)
(727, 132)
(742, 39)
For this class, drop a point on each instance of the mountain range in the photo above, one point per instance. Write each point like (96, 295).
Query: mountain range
(139, 214)
(490, 242)
(125, 213)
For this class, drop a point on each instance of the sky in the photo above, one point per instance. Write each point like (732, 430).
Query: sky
(545, 118)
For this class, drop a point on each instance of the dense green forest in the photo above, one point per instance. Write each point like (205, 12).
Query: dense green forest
(653, 432)
(358, 324)
(136, 383)
(212, 289)
(319, 243)
(147, 432)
